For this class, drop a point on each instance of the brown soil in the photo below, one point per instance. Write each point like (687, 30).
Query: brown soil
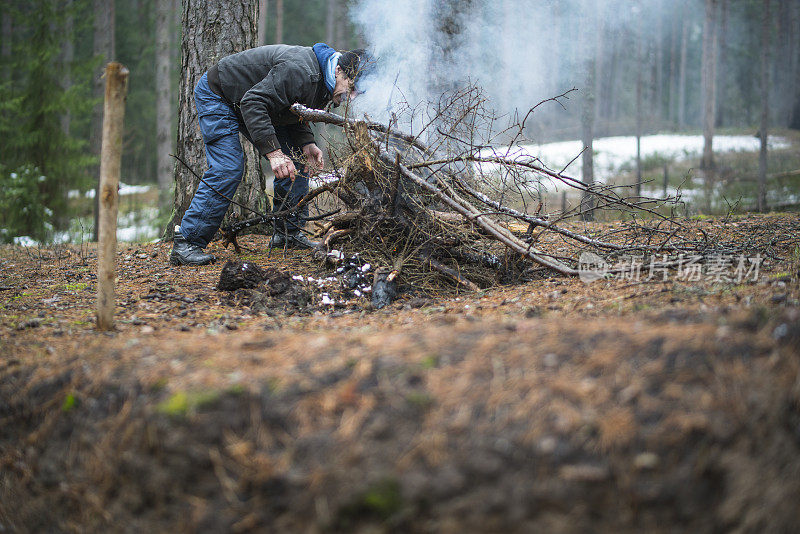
(549, 406)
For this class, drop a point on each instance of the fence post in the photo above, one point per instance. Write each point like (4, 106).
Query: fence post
(108, 203)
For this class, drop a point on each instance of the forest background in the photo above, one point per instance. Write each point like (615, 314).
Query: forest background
(642, 67)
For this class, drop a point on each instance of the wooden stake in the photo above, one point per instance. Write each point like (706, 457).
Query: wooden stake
(110, 161)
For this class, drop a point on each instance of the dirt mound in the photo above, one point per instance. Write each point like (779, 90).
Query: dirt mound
(558, 406)
(262, 290)
(478, 427)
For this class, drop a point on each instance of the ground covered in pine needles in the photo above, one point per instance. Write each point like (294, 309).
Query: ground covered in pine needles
(554, 405)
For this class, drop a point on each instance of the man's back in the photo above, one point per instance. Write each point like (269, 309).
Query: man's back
(238, 73)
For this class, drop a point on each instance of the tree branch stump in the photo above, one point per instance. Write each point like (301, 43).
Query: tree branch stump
(110, 162)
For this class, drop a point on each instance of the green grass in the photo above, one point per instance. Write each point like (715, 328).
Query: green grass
(430, 361)
(69, 403)
(381, 500)
(419, 399)
(80, 286)
(182, 403)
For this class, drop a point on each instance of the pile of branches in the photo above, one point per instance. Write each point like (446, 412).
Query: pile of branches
(444, 204)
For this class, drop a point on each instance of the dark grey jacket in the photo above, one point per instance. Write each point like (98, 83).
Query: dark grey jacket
(262, 83)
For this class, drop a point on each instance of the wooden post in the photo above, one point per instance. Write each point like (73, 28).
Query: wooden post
(666, 179)
(110, 160)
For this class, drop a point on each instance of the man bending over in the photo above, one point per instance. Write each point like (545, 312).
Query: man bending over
(251, 92)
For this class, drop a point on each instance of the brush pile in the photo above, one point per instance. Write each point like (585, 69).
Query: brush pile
(454, 211)
(458, 212)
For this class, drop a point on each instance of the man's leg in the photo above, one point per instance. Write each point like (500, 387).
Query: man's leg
(225, 158)
(287, 194)
(225, 169)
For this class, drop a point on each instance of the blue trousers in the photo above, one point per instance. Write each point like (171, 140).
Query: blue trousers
(220, 128)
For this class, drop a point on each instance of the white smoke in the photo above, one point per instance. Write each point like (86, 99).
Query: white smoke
(398, 35)
(520, 52)
(496, 45)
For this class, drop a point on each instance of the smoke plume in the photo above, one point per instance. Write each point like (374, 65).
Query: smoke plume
(425, 47)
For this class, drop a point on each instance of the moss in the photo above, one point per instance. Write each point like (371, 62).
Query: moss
(380, 501)
(181, 403)
(159, 384)
(420, 399)
(176, 405)
(430, 361)
(80, 286)
(203, 399)
(69, 403)
(383, 498)
(236, 389)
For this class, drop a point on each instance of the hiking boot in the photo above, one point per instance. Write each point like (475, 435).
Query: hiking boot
(299, 240)
(185, 253)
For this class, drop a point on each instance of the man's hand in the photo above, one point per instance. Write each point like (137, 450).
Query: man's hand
(314, 156)
(281, 165)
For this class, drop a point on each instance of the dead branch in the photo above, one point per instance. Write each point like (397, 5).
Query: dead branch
(318, 115)
(432, 207)
(472, 214)
(451, 273)
(230, 233)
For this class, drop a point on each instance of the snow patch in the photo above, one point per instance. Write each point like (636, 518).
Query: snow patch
(25, 241)
(124, 189)
(612, 153)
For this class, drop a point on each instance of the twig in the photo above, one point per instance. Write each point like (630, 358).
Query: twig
(318, 115)
(499, 233)
(451, 273)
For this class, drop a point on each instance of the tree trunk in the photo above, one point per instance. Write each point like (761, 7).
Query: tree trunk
(658, 89)
(279, 21)
(721, 68)
(116, 77)
(67, 56)
(340, 29)
(599, 53)
(682, 70)
(612, 84)
(330, 22)
(211, 31)
(556, 34)
(708, 83)
(765, 69)
(639, 111)
(794, 105)
(589, 20)
(104, 48)
(164, 107)
(263, 9)
(8, 35)
(794, 123)
(673, 70)
(782, 74)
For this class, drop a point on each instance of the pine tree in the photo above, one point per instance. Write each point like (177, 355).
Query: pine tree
(32, 105)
